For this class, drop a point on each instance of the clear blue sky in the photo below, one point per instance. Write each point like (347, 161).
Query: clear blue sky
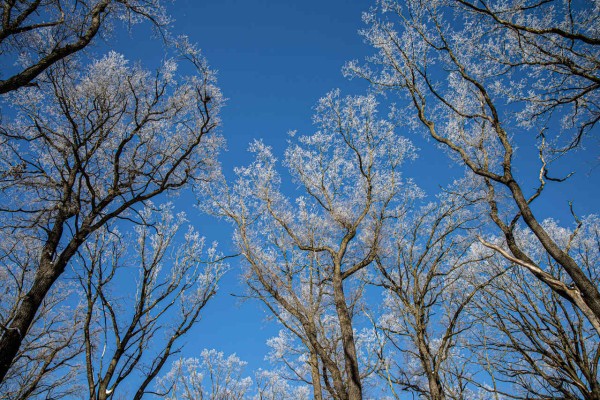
(275, 59)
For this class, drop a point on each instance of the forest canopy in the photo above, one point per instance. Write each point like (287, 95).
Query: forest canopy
(422, 238)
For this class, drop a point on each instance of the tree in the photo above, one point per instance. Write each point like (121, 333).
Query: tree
(427, 272)
(303, 260)
(216, 377)
(272, 385)
(48, 361)
(87, 147)
(36, 34)
(127, 334)
(458, 63)
(186, 379)
(529, 337)
(297, 362)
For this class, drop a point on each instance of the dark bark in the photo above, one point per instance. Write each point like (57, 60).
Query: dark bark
(47, 274)
(25, 77)
(353, 382)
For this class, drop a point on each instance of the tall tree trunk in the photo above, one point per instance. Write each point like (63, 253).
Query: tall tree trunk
(19, 326)
(433, 379)
(49, 270)
(315, 375)
(353, 382)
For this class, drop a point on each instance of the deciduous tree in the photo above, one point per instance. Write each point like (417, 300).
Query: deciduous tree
(430, 278)
(458, 63)
(47, 362)
(35, 34)
(132, 334)
(528, 336)
(303, 259)
(88, 146)
(213, 376)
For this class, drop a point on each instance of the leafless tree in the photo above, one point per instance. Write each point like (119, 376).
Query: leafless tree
(551, 47)
(296, 360)
(35, 34)
(430, 277)
(459, 62)
(271, 385)
(303, 259)
(532, 342)
(48, 360)
(133, 333)
(212, 376)
(88, 146)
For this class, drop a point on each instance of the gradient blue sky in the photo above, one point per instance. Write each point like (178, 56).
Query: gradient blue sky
(275, 59)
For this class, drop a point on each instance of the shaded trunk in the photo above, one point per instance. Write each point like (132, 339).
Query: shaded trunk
(14, 335)
(436, 391)
(50, 268)
(315, 376)
(47, 273)
(353, 383)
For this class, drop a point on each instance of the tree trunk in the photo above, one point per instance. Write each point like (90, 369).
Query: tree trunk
(315, 375)
(589, 292)
(50, 269)
(14, 335)
(353, 384)
(433, 379)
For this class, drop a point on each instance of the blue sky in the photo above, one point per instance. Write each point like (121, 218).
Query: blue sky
(275, 59)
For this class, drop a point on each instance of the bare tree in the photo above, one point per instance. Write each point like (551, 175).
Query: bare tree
(550, 50)
(303, 259)
(272, 385)
(459, 62)
(292, 353)
(530, 338)
(48, 360)
(212, 377)
(85, 149)
(427, 270)
(135, 332)
(35, 34)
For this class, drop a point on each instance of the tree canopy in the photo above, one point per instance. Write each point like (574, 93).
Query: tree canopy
(115, 185)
